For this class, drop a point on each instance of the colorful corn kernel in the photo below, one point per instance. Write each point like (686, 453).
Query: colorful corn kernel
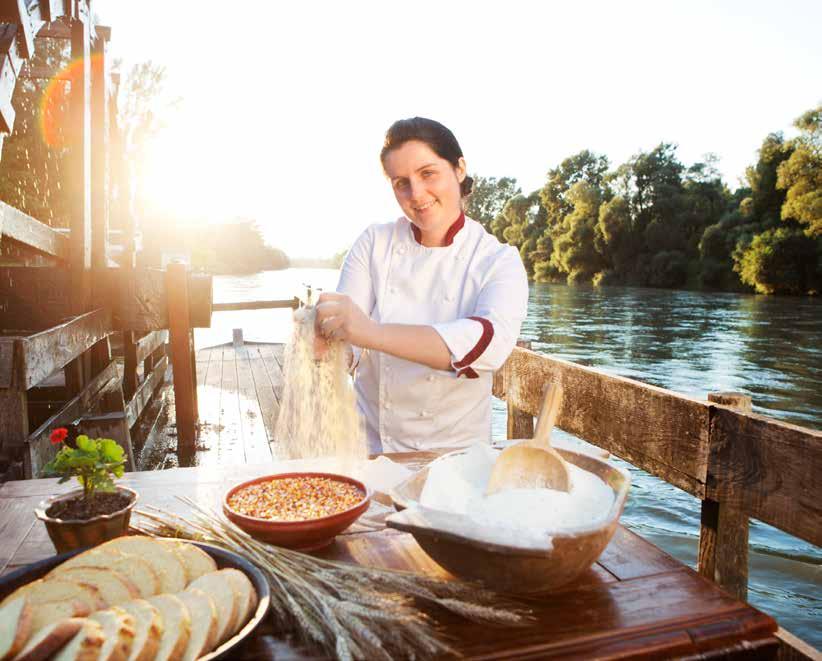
(295, 498)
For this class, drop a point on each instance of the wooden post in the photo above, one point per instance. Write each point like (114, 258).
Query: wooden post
(80, 149)
(180, 341)
(723, 532)
(130, 364)
(520, 424)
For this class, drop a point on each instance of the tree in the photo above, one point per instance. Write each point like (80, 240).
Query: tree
(801, 174)
(574, 250)
(488, 198)
(782, 260)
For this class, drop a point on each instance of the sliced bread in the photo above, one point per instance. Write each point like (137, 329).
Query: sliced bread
(52, 611)
(163, 558)
(248, 596)
(15, 627)
(203, 613)
(196, 561)
(60, 589)
(148, 629)
(50, 639)
(136, 569)
(176, 626)
(219, 587)
(118, 627)
(86, 644)
(113, 586)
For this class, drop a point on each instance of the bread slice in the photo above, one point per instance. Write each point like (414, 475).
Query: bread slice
(196, 561)
(86, 644)
(15, 627)
(176, 626)
(248, 596)
(52, 611)
(163, 558)
(47, 641)
(59, 589)
(133, 567)
(228, 602)
(148, 629)
(118, 627)
(203, 623)
(113, 586)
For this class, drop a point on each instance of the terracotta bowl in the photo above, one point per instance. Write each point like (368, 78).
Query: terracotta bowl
(306, 535)
(447, 538)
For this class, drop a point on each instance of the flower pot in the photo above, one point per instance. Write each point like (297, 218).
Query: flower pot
(70, 534)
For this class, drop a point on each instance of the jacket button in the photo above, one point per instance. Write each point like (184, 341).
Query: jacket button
(430, 377)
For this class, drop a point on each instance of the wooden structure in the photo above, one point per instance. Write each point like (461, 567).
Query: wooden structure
(60, 298)
(738, 463)
(635, 602)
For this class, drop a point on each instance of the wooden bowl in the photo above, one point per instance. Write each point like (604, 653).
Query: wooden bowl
(503, 567)
(308, 535)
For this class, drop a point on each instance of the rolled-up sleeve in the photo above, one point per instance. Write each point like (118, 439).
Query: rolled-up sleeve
(355, 279)
(483, 340)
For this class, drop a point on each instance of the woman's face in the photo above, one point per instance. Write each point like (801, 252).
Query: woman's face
(426, 186)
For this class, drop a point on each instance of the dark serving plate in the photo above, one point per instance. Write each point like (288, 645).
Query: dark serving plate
(224, 559)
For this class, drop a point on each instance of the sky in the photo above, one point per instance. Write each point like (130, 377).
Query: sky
(283, 106)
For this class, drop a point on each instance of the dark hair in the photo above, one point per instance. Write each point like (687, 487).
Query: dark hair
(435, 135)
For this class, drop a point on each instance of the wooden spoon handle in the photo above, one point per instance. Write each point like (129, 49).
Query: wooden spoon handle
(551, 403)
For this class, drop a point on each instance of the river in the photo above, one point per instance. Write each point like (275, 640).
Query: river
(691, 342)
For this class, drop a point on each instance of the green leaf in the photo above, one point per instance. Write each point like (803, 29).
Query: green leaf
(85, 443)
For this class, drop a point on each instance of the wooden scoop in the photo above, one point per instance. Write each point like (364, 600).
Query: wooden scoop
(533, 464)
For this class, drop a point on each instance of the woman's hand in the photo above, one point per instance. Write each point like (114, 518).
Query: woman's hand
(340, 319)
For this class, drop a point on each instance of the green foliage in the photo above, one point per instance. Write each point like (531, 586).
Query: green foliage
(95, 462)
(489, 197)
(782, 260)
(801, 174)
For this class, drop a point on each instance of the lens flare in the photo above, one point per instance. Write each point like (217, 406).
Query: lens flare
(54, 115)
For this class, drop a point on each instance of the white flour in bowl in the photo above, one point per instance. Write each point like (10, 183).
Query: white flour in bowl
(520, 517)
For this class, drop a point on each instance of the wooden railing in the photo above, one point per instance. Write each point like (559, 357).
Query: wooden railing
(738, 463)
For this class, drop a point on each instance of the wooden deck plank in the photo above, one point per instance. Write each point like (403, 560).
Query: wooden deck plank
(255, 437)
(272, 356)
(230, 449)
(269, 406)
(208, 404)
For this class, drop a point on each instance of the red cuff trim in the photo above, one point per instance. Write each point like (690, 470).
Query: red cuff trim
(468, 373)
(458, 224)
(480, 346)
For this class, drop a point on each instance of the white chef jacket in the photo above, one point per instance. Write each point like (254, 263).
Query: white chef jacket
(473, 292)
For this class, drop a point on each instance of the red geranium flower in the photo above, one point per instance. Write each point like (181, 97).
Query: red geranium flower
(58, 435)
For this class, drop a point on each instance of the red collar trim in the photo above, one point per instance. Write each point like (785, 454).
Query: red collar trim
(458, 224)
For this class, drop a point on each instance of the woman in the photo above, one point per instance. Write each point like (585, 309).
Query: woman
(432, 303)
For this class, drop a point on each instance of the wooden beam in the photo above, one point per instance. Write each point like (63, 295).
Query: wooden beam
(519, 424)
(768, 469)
(99, 154)
(15, 11)
(145, 391)
(185, 381)
(724, 530)
(10, 63)
(80, 173)
(110, 425)
(51, 10)
(140, 302)
(51, 350)
(30, 72)
(292, 303)
(21, 227)
(148, 344)
(658, 430)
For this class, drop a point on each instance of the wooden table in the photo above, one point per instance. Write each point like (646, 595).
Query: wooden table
(636, 602)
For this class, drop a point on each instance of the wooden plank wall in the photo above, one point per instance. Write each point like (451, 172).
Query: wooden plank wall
(765, 468)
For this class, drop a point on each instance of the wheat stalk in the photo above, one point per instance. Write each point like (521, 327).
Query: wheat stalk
(349, 611)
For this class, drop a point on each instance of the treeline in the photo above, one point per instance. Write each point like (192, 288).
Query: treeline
(235, 246)
(652, 221)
